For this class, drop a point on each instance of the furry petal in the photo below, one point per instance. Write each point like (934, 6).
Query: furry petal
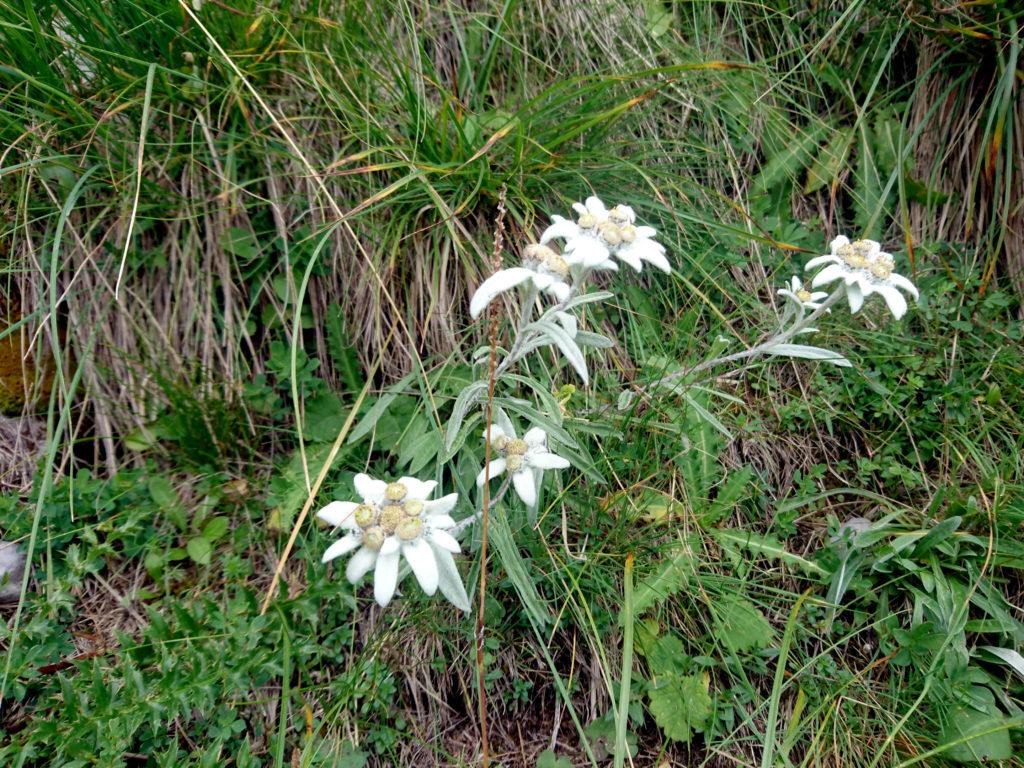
(421, 559)
(560, 228)
(525, 487)
(500, 281)
(856, 298)
(418, 489)
(559, 290)
(819, 260)
(339, 513)
(441, 506)
(449, 580)
(535, 436)
(444, 540)
(897, 304)
(371, 490)
(358, 565)
(497, 467)
(547, 460)
(342, 546)
(828, 275)
(838, 243)
(901, 282)
(385, 578)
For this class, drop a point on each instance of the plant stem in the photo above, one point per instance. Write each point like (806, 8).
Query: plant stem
(781, 337)
(499, 236)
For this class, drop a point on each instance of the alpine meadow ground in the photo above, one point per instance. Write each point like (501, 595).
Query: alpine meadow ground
(274, 295)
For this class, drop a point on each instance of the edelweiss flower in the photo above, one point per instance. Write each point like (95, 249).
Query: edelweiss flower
(543, 266)
(526, 458)
(866, 269)
(599, 234)
(396, 519)
(804, 298)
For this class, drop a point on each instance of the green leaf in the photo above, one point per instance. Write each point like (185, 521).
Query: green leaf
(975, 737)
(167, 499)
(809, 353)
(325, 415)
(659, 18)
(830, 160)
(516, 568)
(743, 626)
(215, 528)
(670, 577)
(548, 759)
(665, 657)
(759, 544)
(786, 164)
(681, 706)
(1007, 656)
(200, 550)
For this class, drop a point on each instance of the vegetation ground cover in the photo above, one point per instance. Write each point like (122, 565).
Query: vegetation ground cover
(225, 222)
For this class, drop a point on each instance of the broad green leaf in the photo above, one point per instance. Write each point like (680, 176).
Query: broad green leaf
(743, 626)
(787, 163)
(681, 705)
(200, 550)
(377, 410)
(659, 18)
(830, 161)
(670, 577)
(548, 759)
(665, 656)
(975, 737)
(466, 399)
(215, 528)
(768, 546)
(516, 568)
(167, 499)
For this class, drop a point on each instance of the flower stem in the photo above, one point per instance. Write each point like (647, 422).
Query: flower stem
(781, 337)
(499, 237)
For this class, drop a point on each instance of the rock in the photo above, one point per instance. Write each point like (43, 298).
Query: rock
(12, 571)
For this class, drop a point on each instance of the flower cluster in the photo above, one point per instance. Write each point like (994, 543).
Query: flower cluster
(865, 269)
(599, 234)
(799, 295)
(525, 458)
(591, 242)
(396, 520)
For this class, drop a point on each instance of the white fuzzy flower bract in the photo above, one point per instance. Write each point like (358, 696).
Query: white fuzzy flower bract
(397, 520)
(547, 269)
(524, 458)
(801, 296)
(865, 269)
(599, 234)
